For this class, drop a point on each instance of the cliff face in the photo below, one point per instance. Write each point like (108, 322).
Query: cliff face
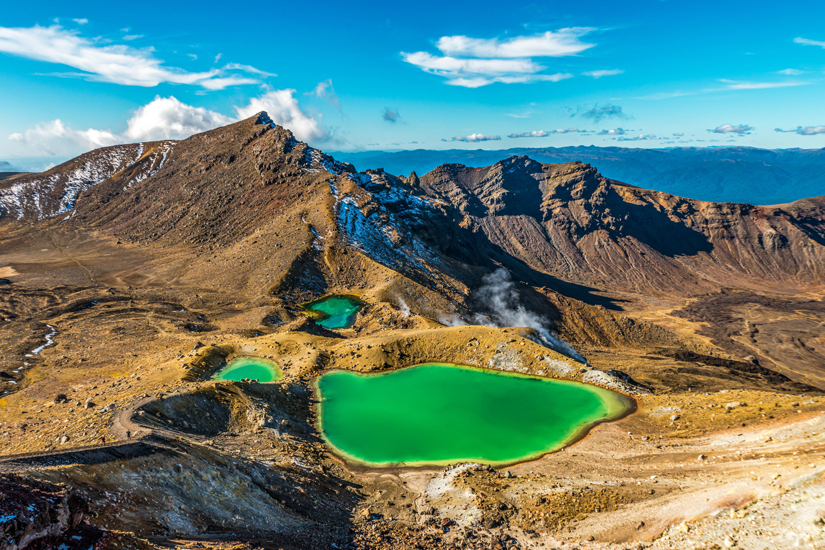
(568, 221)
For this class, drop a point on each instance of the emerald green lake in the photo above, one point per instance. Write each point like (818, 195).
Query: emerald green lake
(251, 368)
(335, 311)
(438, 413)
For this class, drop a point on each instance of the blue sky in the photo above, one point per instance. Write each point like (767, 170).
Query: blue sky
(435, 75)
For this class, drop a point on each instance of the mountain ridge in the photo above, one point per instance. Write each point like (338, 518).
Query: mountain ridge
(721, 174)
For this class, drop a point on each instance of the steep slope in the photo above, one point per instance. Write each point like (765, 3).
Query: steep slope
(569, 221)
(56, 191)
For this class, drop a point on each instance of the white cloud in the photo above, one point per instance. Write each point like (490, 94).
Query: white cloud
(473, 73)
(118, 64)
(615, 132)
(130, 37)
(223, 82)
(561, 43)
(283, 109)
(244, 68)
(790, 72)
(534, 133)
(169, 118)
(476, 138)
(678, 134)
(474, 62)
(736, 85)
(55, 138)
(740, 129)
(805, 130)
(545, 133)
(81, 21)
(326, 91)
(806, 42)
(604, 72)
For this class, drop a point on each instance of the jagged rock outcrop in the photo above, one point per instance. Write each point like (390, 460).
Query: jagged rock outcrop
(569, 221)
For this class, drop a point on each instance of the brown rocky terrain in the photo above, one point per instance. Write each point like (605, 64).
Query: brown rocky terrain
(130, 275)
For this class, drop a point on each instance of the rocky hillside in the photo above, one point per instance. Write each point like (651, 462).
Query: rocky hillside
(569, 221)
(551, 224)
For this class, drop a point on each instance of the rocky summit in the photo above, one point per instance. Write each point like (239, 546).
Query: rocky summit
(131, 275)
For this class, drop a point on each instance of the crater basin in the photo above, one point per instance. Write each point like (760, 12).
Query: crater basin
(439, 413)
(253, 368)
(336, 311)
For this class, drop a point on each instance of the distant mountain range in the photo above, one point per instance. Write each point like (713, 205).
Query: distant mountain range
(719, 174)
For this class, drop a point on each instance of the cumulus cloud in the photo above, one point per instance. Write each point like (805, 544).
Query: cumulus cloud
(391, 115)
(283, 109)
(326, 91)
(614, 132)
(598, 113)
(81, 21)
(601, 73)
(474, 62)
(55, 138)
(114, 63)
(476, 138)
(545, 133)
(739, 129)
(804, 130)
(807, 42)
(169, 118)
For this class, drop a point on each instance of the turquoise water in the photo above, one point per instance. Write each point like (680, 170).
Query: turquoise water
(335, 311)
(439, 413)
(249, 368)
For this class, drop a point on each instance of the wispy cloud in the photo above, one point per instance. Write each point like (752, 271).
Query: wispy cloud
(476, 138)
(474, 62)
(804, 130)
(130, 37)
(561, 43)
(790, 72)
(807, 42)
(391, 115)
(81, 21)
(641, 137)
(326, 91)
(601, 73)
(118, 64)
(474, 73)
(738, 129)
(598, 113)
(737, 85)
(245, 68)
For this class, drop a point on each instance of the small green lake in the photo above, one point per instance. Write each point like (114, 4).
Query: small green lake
(337, 311)
(251, 368)
(438, 413)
